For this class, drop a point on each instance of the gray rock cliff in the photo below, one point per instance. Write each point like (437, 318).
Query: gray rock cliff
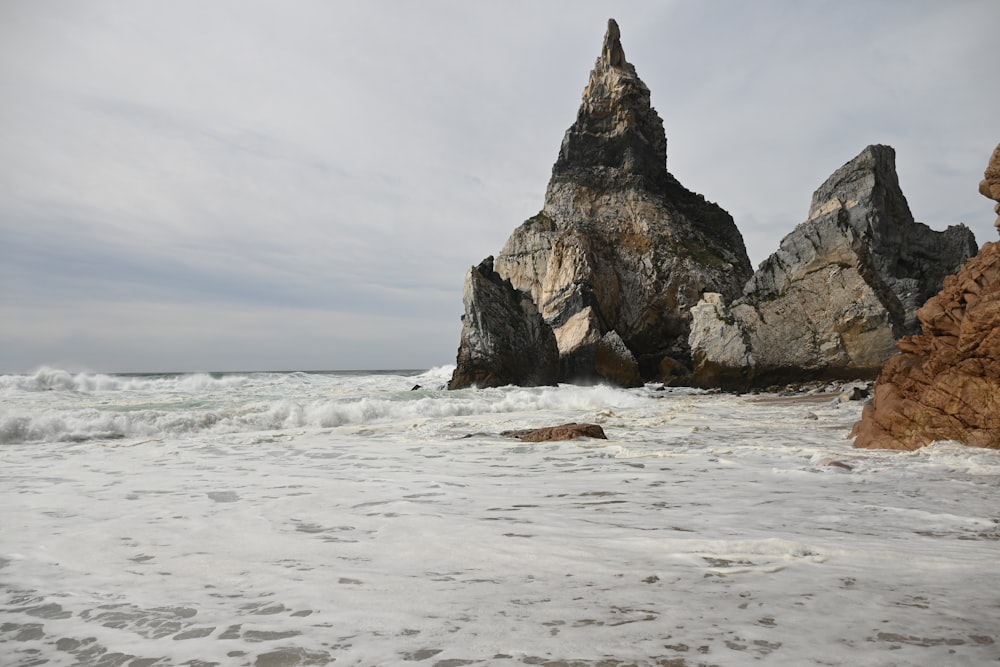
(838, 293)
(504, 338)
(620, 246)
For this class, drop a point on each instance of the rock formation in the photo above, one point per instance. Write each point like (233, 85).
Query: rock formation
(504, 339)
(842, 288)
(989, 187)
(945, 384)
(621, 251)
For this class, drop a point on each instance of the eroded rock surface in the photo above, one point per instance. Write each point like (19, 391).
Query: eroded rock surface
(620, 246)
(945, 383)
(504, 338)
(841, 289)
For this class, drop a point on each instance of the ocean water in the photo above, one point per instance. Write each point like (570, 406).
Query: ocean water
(280, 519)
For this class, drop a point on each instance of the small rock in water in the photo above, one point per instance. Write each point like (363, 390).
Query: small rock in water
(562, 432)
(855, 392)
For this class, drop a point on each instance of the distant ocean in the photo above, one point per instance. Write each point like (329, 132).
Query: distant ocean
(374, 518)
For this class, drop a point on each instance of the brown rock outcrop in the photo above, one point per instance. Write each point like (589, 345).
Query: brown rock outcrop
(945, 383)
(562, 432)
(989, 187)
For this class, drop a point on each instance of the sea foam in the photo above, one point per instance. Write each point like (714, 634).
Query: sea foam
(57, 406)
(309, 518)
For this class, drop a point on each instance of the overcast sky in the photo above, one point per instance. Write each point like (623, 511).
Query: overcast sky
(237, 185)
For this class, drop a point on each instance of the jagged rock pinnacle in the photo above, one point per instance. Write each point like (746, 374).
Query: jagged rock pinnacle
(617, 135)
(613, 54)
(613, 262)
(869, 177)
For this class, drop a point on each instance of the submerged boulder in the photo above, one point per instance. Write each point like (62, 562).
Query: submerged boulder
(841, 289)
(945, 383)
(620, 246)
(504, 338)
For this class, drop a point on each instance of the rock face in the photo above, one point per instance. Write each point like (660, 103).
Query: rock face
(504, 339)
(621, 251)
(842, 288)
(945, 384)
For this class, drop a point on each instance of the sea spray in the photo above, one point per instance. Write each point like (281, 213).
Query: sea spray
(57, 406)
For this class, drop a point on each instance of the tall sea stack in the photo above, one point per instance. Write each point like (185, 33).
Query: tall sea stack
(620, 251)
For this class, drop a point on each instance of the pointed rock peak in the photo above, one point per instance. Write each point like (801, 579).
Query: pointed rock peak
(617, 131)
(611, 66)
(613, 54)
(869, 179)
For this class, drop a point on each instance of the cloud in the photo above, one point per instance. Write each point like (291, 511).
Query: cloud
(356, 159)
(777, 95)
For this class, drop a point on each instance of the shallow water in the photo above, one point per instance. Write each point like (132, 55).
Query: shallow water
(287, 519)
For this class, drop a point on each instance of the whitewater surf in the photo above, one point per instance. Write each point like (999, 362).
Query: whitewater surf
(350, 518)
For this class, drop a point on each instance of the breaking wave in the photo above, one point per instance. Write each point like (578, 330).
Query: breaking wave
(54, 379)
(81, 407)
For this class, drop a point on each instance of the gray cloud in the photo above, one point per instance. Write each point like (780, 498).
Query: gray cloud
(318, 177)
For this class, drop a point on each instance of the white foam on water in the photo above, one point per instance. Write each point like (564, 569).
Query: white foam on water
(325, 519)
(55, 406)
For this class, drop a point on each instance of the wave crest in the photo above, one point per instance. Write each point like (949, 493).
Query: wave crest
(55, 379)
(265, 406)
